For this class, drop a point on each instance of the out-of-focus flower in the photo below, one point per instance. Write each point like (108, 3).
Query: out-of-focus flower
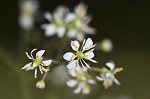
(57, 23)
(73, 25)
(78, 23)
(108, 75)
(106, 45)
(27, 10)
(81, 79)
(82, 53)
(40, 84)
(37, 62)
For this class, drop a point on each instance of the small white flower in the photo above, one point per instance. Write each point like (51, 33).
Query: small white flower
(81, 79)
(57, 23)
(82, 53)
(108, 75)
(40, 84)
(78, 23)
(27, 10)
(37, 62)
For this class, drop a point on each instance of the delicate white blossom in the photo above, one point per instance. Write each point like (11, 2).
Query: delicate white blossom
(78, 23)
(40, 84)
(56, 23)
(37, 62)
(108, 75)
(71, 24)
(82, 52)
(82, 80)
(28, 9)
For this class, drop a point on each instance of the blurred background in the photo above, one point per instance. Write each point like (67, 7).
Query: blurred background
(125, 22)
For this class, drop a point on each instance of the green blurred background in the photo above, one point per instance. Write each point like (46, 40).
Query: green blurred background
(126, 23)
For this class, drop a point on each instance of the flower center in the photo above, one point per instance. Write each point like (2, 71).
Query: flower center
(36, 62)
(80, 55)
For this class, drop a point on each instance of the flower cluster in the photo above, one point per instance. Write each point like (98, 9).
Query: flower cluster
(74, 24)
(71, 24)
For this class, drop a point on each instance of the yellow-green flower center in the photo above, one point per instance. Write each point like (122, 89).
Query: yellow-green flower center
(81, 77)
(80, 55)
(36, 62)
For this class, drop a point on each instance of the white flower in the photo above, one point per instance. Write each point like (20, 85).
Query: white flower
(81, 79)
(37, 62)
(40, 84)
(82, 53)
(78, 23)
(108, 75)
(27, 10)
(57, 23)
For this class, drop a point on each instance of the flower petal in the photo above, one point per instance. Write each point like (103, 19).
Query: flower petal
(91, 81)
(70, 17)
(47, 62)
(75, 45)
(71, 83)
(111, 65)
(99, 78)
(48, 16)
(69, 56)
(77, 90)
(88, 44)
(61, 31)
(89, 55)
(72, 33)
(72, 72)
(86, 89)
(27, 66)
(72, 64)
(40, 53)
(50, 29)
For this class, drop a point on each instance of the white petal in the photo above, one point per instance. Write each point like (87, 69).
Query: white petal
(71, 83)
(27, 66)
(61, 31)
(40, 53)
(80, 36)
(89, 55)
(116, 81)
(111, 65)
(48, 16)
(72, 72)
(108, 75)
(70, 17)
(50, 29)
(86, 89)
(72, 33)
(99, 78)
(77, 90)
(91, 81)
(72, 64)
(47, 62)
(88, 44)
(75, 45)
(69, 56)
(89, 30)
